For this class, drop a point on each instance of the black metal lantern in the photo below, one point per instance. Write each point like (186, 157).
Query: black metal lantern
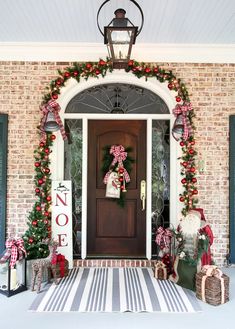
(13, 280)
(119, 36)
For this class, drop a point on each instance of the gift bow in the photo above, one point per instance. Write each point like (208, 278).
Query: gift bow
(183, 109)
(54, 108)
(212, 271)
(163, 237)
(118, 151)
(15, 250)
(160, 266)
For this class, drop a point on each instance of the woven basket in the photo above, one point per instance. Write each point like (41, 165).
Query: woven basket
(212, 289)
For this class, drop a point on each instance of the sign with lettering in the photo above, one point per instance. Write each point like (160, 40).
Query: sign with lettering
(61, 220)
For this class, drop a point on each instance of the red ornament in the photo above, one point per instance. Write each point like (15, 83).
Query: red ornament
(54, 96)
(184, 164)
(59, 82)
(46, 213)
(170, 86)
(134, 69)
(191, 151)
(102, 63)
(195, 191)
(121, 170)
(38, 208)
(184, 181)
(41, 144)
(131, 63)
(122, 187)
(193, 169)
(182, 199)
(194, 180)
(47, 170)
(97, 72)
(47, 150)
(49, 229)
(182, 143)
(88, 66)
(66, 74)
(34, 223)
(120, 179)
(147, 70)
(48, 198)
(37, 164)
(155, 70)
(37, 190)
(40, 181)
(45, 221)
(192, 142)
(75, 73)
(30, 240)
(53, 137)
(178, 99)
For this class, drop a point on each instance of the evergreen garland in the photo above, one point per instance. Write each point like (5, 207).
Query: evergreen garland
(106, 166)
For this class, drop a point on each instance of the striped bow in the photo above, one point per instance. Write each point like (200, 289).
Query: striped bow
(54, 108)
(163, 237)
(15, 250)
(118, 151)
(183, 110)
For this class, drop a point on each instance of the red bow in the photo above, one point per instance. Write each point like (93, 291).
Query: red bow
(15, 250)
(163, 237)
(54, 108)
(118, 151)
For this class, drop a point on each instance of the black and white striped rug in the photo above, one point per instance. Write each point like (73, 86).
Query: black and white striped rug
(115, 290)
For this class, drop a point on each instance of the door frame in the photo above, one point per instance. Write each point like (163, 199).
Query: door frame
(57, 159)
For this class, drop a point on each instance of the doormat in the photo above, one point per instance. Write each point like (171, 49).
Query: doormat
(115, 290)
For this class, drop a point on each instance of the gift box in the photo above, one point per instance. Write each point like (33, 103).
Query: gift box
(160, 271)
(212, 286)
(60, 267)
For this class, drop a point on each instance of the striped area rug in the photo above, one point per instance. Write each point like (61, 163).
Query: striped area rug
(115, 290)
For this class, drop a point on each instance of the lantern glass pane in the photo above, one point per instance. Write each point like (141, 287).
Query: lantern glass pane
(119, 51)
(4, 276)
(122, 37)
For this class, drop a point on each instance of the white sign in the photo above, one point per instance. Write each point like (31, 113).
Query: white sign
(61, 220)
(113, 186)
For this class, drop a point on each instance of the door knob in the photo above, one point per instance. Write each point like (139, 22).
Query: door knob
(143, 193)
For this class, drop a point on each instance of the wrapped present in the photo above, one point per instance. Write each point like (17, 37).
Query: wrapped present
(160, 271)
(60, 266)
(212, 286)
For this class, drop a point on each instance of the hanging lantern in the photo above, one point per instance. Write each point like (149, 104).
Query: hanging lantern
(178, 127)
(51, 125)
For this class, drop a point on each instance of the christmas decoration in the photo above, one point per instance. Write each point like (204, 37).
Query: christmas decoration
(116, 160)
(39, 225)
(160, 271)
(33, 236)
(14, 251)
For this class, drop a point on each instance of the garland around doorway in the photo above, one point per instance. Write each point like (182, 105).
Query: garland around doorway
(39, 220)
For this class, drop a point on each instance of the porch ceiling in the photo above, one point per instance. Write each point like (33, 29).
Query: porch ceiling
(166, 21)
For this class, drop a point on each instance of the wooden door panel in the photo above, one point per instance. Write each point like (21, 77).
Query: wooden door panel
(113, 230)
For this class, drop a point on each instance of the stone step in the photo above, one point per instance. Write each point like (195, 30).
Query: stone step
(113, 263)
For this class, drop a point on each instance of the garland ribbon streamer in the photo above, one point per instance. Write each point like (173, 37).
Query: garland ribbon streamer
(183, 110)
(15, 251)
(212, 271)
(118, 151)
(54, 108)
(163, 237)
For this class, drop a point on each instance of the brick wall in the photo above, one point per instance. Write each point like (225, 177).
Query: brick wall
(212, 92)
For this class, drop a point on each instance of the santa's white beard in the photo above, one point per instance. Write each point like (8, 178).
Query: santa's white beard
(190, 224)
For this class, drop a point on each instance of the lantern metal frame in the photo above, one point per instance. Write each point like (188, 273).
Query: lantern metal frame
(120, 24)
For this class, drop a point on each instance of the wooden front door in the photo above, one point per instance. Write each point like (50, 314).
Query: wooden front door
(113, 230)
